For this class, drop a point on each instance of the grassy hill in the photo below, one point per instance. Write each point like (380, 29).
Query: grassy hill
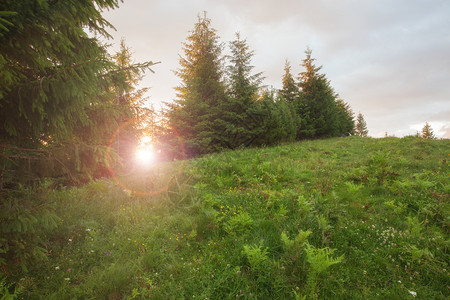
(343, 218)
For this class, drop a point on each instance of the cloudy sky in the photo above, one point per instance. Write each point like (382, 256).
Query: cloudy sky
(389, 59)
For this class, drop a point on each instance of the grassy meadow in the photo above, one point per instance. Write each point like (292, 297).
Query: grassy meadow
(341, 218)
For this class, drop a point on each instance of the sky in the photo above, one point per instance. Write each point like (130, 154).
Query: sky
(389, 59)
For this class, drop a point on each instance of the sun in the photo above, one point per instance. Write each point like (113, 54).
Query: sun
(145, 155)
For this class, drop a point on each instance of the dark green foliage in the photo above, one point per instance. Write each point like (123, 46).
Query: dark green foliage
(27, 215)
(290, 90)
(240, 117)
(51, 69)
(316, 104)
(193, 115)
(59, 98)
(345, 118)
(278, 123)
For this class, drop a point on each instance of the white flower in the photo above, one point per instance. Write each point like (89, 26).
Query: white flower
(412, 293)
(70, 240)
(57, 268)
(66, 278)
(88, 229)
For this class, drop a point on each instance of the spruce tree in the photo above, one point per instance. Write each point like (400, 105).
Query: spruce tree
(135, 114)
(316, 104)
(58, 92)
(427, 132)
(361, 126)
(50, 68)
(290, 89)
(240, 124)
(194, 113)
(346, 122)
(276, 120)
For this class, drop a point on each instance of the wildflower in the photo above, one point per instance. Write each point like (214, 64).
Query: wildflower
(70, 240)
(67, 279)
(57, 268)
(412, 293)
(68, 270)
(88, 229)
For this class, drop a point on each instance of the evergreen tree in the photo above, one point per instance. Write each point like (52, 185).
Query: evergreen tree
(290, 89)
(316, 105)
(427, 132)
(276, 120)
(57, 84)
(238, 110)
(192, 116)
(345, 117)
(361, 126)
(136, 116)
(50, 68)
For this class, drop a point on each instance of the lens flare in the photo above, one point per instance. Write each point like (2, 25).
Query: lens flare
(145, 155)
(110, 163)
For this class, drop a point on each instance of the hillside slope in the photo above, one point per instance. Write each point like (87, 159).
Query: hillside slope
(343, 218)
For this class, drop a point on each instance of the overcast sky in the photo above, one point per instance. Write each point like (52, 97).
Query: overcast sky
(389, 59)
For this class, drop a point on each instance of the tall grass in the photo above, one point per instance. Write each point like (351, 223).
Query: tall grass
(344, 218)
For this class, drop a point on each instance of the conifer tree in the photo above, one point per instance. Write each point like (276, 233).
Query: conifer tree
(135, 115)
(239, 114)
(316, 105)
(58, 83)
(361, 126)
(345, 117)
(51, 69)
(192, 116)
(290, 89)
(427, 132)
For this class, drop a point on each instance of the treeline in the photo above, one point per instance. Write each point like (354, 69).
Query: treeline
(222, 104)
(70, 110)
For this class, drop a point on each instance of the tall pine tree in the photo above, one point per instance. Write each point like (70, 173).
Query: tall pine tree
(192, 116)
(345, 118)
(290, 89)
(316, 104)
(239, 118)
(427, 132)
(361, 126)
(58, 84)
(136, 116)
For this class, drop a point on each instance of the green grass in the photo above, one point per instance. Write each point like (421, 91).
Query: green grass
(344, 218)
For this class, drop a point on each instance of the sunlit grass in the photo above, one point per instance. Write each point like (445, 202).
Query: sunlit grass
(346, 218)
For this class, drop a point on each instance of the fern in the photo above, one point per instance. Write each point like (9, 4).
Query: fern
(319, 260)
